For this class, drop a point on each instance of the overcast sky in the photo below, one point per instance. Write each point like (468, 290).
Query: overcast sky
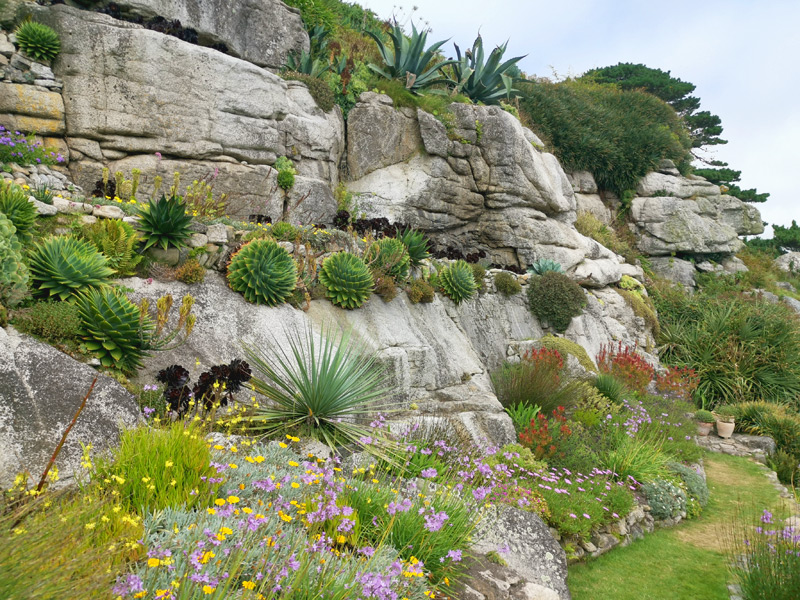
(743, 56)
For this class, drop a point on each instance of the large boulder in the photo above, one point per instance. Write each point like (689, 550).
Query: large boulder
(31, 109)
(789, 262)
(525, 544)
(263, 32)
(40, 392)
(477, 180)
(132, 92)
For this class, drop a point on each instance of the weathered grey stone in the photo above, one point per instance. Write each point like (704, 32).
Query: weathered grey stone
(708, 267)
(592, 203)
(107, 211)
(667, 167)
(203, 119)
(40, 391)
(582, 182)
(197, 240)
(789, 262)
(661, 184)
(29, 109)
(379, 136)
(263, 32)
(732, 265)
(666, 225)
(597, 273)
(67, 206)
(170, 256)
(491, 581)
(217, 234)
(44, 210)
(674, 269)
(532, 553)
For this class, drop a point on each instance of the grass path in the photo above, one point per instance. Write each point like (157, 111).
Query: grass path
(686, 562)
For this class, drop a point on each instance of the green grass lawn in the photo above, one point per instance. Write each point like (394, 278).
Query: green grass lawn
(686, 562)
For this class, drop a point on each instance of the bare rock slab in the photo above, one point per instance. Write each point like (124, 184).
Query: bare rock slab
(41, 388)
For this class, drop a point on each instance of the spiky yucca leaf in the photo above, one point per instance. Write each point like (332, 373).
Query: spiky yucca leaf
(457, 281)
(389, 255)
(38, 41)
(165, 223)
(263, 273)
(15, 205)
(347, 280)
(114, 328)
(63, 265)
(117, 241)
(416, 244)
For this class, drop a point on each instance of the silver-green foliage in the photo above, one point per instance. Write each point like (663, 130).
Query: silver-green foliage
(63, 265)
(408, 58)
(320, 385)
(13, 272)
(263, 273)
(666, 499)
(457, 281)
(545, 265)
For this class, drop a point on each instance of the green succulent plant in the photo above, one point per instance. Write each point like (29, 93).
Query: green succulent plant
(16, 207)
(263, 273)
(487, 82)
(117, 241)
(390, 256)
(63, 265)
(165, 223)
(283, 231)
(286, 173)
(457, 281)
(37, 40)
(347, 280)
(408, 58)
(555, 299)
(307, 65)
(114, 328)
(545, 265)
(506, 283)
(416, 243)
(14, 274)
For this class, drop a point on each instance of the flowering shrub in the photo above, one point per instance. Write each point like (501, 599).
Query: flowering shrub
(539, 435)
(627, 365)
(23, 150)
(678, 382)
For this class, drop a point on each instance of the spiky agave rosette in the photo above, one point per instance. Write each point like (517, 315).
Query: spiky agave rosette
(263, 272)
(457, 281)
(347, 280)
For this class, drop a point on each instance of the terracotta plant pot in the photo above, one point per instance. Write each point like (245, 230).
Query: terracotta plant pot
(724, 430)
(703, 429)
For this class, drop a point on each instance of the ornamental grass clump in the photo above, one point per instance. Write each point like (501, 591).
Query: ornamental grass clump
(263, 272)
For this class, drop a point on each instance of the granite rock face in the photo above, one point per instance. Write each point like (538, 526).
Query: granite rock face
(262, 32)
(479, 182)
(138, 98)
(41, 388)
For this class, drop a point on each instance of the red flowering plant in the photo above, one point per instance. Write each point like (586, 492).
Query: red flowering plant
(542, 434)
(627, 365)
(677, 382)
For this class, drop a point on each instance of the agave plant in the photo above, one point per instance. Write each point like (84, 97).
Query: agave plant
(263, 273)
(38, 41)
(545, 265)
(13, 272)
(116, 240)
(347, 280)
(416, 244)
(486, 82)
(114, 328)
(304, 63)
(17, 209)
(389, 255)
(165, 223)
(63, 265)
(409, 59)
(457, 281)
(321, 386)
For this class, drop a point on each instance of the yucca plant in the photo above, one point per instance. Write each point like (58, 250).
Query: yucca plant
(263, 273)
(117, 240)
(416, 244)
(347, 280)
(457, 281)
(114, 328)
(37, 40)
(486, 82)
(408, 58)
(545, 265)
(17, 209)
(63, 265)
(388, 255)
(320, 386)
(165, 223)
(13, 272)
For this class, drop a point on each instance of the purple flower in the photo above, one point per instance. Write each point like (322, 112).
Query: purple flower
(435, 521)
(428, 473)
